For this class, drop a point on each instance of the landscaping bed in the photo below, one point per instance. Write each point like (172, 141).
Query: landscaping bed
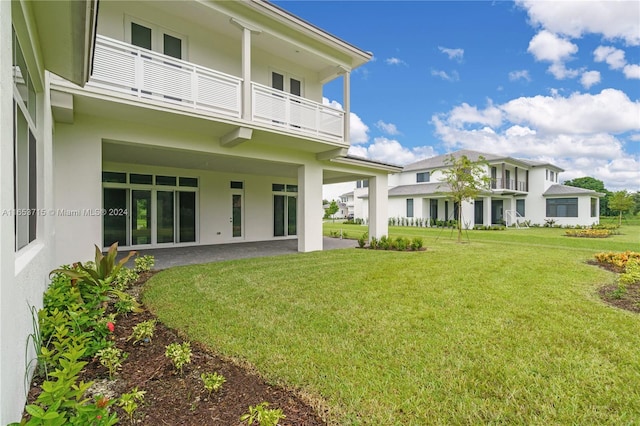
(173, 398)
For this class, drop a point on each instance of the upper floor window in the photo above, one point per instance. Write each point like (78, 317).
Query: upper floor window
(286, 83)
(155, 38)
(362, 183)
(422, 177)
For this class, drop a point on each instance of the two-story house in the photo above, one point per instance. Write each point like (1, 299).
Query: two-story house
(161, 124)
(520, 191)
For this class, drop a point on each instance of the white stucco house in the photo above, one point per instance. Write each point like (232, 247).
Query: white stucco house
(521, 191)
(161, 124)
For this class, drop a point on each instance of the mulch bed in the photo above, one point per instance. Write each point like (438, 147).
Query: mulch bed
(181, 399)
(629, 300)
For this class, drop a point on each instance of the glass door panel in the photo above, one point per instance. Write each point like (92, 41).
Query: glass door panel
(278, 215)
(236, 215)
(140, 217)
(292, 203)
(187, 217)
(165, 217)
(115, 220)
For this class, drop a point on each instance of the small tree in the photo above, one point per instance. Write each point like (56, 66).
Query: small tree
(466, 180)
(332, 209)
(621, 202)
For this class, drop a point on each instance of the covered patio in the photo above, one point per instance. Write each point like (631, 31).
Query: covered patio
(193, 255)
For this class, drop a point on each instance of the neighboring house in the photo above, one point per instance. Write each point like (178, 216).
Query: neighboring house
(520, 191)
(201, 122)
(347, 205)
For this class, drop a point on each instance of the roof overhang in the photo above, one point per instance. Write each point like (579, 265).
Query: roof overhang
(66, 33)
(370, 164)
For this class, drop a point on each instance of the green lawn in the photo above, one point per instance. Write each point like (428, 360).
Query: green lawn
(506, 329)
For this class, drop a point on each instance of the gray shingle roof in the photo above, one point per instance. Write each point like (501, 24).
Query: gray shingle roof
(419, 189)
(570, 190)
(439, 160)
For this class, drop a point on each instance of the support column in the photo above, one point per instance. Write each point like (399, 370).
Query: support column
(246, 73)
(378, 206)
(309, 208)
(486, 214)
(346, 97)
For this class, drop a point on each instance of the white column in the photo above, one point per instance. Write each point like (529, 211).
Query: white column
(346, 96)
(246, 74)
(309, 208)
(486, 215)
(378, 206)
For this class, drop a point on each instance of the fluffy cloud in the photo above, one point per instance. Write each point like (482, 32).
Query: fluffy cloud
(609, 111)
(546, 46)
(632, 71)
(391, 151)
(456, 54)
(612, 19)
(465, 113)
(612, 56)
(443, 75)
(577, 133)
(590, 78)
(519, 75)
(388, 128)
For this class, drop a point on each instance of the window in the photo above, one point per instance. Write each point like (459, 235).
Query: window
(284, 209)
(594, 207)
(422, 177)
(152, 37)
(562, 207)
(25, 177)
(286, 83)
(520, 208)
(409, 207)
(236, 185)
(362, 183)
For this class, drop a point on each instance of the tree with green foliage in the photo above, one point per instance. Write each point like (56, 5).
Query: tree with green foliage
(331, 210)
(621, 202)
(594, 184)
(466, 179)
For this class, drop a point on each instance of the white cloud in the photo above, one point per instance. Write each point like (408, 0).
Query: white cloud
(590, 78)
(609, 111)
(546, 46)
(576, 132)
(612, 56)
(391, 151)
(519, 75)
(388, 128)
(395, 61)
(358, 131)
(612, 19)
(465, 113)
(632, 71)
(443, 75)
(560, 71)
(456, 54)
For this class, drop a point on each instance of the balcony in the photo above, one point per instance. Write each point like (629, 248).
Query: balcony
(509, 184)
(147, 75)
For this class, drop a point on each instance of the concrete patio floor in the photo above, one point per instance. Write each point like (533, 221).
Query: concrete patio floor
(177, 256)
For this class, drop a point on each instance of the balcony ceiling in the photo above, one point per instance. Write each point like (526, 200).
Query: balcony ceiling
(274, 39)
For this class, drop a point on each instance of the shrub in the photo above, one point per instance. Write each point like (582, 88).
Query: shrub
(416, 243)
(362, 241)
(144, 263)
(179, 354)
(111, 358)
(264, 416)
(588, 233)
(143, 332)
(212, 381)
(617, 260)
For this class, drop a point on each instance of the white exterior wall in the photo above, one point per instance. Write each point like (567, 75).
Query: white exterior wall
(204, 47)
(23, 274)
(80, 187)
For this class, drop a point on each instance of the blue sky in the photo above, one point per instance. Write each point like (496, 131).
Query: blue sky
(553, 81)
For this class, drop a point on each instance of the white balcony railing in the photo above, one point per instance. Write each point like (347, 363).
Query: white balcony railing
(292, 112)
(149, 75)
(131, 70)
